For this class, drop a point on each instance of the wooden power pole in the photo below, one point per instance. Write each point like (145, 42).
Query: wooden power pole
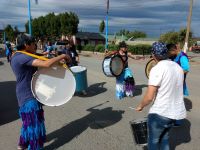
(185, 48)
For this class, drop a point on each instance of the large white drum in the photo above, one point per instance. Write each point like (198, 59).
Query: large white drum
(113, 66)
(53, 86)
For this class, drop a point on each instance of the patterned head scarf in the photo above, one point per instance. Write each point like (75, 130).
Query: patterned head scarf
(159, 50)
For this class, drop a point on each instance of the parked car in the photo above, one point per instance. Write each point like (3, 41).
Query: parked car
(196, 47)
(59, 46)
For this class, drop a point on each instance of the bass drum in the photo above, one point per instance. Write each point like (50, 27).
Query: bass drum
(113, 66)
(53, 86)
(150, 64)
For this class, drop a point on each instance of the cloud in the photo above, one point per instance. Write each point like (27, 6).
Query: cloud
(151, 16)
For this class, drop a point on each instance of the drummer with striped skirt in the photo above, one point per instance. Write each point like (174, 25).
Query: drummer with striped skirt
(33, 132)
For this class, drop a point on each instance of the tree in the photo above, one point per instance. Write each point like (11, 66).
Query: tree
(102, 26)
(175, 37)
(16, 32)
(9, 33)
(134, 34)
(52, 26)
(170, 37)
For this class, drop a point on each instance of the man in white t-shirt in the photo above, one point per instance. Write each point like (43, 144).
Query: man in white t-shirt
(165, 90)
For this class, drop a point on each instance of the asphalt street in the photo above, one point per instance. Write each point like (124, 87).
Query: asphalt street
(97, 121)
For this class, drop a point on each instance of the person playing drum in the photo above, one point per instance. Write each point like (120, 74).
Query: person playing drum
(125, 83)
(165, 90)
(30, 110)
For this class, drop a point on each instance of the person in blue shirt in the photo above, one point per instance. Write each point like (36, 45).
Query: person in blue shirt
(49, 50)
(8, 50)
(33, 131)
(178, 56)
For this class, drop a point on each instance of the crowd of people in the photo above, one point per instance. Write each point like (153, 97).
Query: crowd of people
(166, 88)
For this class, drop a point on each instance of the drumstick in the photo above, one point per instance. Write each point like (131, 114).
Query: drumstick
(40, 57)
(132, 108)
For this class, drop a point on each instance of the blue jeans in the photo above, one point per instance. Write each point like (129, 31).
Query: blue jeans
(158, 132)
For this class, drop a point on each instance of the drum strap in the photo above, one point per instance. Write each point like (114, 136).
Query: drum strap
(39, 57)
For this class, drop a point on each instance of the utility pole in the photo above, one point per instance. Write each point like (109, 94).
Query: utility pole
(107, 8)
(185, 48)
(29, 17)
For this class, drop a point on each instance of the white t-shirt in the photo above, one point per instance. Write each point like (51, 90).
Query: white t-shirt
(168, 76)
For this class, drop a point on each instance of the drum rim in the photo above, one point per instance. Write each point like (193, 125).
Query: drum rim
(146, 67)
(116, 55)
(80, 71)
(35, 96)
(139, 120)
(103, 67)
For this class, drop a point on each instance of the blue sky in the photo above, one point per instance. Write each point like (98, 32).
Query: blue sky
(154, 17)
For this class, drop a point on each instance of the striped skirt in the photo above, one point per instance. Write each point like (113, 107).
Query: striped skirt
(33, 133)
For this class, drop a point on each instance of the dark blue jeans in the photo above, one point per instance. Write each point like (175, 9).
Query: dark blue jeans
(158, 132)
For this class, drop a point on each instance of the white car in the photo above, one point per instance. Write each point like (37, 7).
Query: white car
(59, 46)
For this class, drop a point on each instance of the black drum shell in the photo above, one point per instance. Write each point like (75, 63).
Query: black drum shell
(139, 131)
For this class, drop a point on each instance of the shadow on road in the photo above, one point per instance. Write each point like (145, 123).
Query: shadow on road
(93, 90)
(1, 63)
(8, 102)
(180, 135)
(138, 89)
(96, 119)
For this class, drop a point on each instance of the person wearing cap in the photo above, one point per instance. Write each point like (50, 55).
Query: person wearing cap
(165, 91)
(33, 132)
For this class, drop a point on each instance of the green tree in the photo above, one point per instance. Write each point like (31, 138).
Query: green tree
(16, 31)
(52, 26)
(9, 33)
(134, 34)
(102, 26)
(176, 37)
(137, 34)
(170, 37)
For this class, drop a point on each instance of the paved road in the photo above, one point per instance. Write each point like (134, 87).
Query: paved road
(96, 121)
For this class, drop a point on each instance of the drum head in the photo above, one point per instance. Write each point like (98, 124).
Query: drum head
(77, 69)
(150, 64)
(53, 86)
(117, 65)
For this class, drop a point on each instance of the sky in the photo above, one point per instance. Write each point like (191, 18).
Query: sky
(154, 17)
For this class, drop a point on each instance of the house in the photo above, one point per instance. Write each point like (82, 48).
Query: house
(84, 38)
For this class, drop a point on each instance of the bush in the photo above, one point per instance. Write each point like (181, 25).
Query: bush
(113, 47)
(79, 47)
(100, 48)
(89, 47)
(140, 49)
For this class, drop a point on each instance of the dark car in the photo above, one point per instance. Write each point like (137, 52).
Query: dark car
(196, 47)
